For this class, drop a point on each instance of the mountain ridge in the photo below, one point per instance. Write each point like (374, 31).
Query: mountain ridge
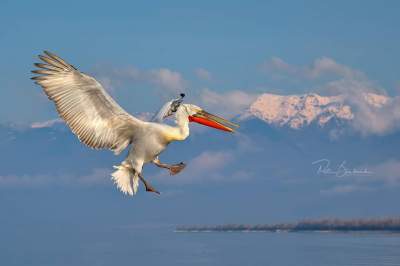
(298, 111)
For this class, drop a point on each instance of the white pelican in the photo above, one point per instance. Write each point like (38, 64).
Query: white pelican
(100, 123)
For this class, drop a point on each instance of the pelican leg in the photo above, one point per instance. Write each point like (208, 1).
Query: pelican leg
(173, 168)
(149, 188)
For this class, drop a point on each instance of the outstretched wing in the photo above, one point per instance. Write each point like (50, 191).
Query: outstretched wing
(93, 116)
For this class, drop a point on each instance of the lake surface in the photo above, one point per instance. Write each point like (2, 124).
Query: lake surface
(163, 246)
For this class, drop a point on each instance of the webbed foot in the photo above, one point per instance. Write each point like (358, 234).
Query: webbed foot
(149, 188)
(176, 168)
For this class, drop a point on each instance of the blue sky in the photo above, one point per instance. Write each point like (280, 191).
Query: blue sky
(229, 39)
(222, 54)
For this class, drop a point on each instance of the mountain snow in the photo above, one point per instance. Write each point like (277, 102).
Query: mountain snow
(296, 111)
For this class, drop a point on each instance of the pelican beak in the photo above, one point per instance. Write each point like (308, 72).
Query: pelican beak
(210, 120)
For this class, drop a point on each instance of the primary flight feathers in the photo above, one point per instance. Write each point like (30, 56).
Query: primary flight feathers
(96, 119)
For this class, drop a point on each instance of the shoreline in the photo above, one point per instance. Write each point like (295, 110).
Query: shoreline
(321, 225)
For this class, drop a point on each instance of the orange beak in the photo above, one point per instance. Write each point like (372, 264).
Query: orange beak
(210, 120)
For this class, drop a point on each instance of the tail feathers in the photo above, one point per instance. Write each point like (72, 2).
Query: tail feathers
(126, 179)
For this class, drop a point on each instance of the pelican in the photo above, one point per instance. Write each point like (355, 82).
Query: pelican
(100, 123)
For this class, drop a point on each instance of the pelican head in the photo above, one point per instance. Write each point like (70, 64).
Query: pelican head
(198, 115)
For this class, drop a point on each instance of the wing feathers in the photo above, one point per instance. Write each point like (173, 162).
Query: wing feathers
(44, 72)
(96, 119)
(45, 66)
(58, 59)
(52, 62)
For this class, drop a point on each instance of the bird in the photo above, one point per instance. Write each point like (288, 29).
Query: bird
(101, 123)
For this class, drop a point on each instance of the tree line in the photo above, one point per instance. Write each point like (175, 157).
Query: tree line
(382, 224)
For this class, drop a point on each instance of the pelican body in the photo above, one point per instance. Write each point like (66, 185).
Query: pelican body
(100, 123)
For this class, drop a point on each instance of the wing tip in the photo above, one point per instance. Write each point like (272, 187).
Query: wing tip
(55, 61)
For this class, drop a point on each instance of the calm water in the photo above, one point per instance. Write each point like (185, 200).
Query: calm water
(161, 246)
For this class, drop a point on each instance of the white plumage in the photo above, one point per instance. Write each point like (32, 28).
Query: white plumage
(100, 123)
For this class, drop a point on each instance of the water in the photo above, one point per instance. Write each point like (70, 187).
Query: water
(162, 246)
(295, 248)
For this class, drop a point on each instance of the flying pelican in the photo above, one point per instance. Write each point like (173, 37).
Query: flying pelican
(100, 123)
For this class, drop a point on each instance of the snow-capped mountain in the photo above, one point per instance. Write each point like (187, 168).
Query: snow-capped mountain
(296, 111)
(292, 111)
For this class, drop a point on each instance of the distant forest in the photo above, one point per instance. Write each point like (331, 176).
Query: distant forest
(384, 224)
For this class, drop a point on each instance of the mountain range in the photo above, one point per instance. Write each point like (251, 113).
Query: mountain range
(297, 111)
